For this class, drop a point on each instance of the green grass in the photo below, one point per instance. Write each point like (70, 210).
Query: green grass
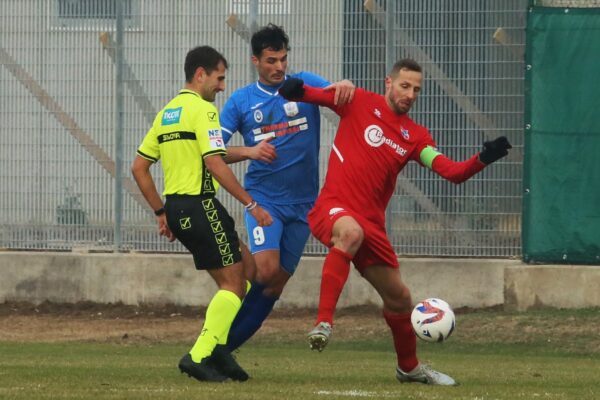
(527, 357)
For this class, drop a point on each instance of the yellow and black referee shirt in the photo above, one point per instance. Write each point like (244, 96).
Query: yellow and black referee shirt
(183, 133)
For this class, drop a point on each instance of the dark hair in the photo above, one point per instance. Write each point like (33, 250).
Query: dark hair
(269, 37)
(202, 56)
(405, 63)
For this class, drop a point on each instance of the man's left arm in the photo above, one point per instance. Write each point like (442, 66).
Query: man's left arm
(460, 171)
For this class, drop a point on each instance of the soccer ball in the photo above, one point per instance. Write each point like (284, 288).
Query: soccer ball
(433, 320)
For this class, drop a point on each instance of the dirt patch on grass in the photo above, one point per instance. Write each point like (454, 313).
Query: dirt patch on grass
(86, 321)
(571, 330)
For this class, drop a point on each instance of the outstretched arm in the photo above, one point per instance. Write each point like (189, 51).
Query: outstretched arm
(263, 151)
(456, 171)
(344, 92)
(460, 171)
(217, 167)
(295, 89)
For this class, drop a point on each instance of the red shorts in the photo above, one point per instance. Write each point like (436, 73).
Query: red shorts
(375, 249)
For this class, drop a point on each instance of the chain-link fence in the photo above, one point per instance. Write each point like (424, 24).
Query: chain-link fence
(65, 100)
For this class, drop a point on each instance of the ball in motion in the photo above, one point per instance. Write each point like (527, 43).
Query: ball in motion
(433, 320)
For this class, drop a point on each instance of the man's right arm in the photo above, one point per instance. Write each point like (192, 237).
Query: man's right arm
(140, 170)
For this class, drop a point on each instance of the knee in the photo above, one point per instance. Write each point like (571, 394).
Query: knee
(275, 288)
(350, 239)
(273, 277)
(236, 285)
(266, 270)
(399, 301)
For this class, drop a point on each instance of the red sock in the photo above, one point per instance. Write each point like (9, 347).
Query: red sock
(335, 274)
(405, 340)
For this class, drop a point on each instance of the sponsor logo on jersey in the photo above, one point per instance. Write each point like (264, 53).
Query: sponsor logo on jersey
(171, 136)
(374, 137)
(258, 116)
(167, 137)
(215, 139)
(280, 129)
(377, 112)
(211, 115)
(171, 116)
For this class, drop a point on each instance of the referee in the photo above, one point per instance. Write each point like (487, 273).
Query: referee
(186, 136)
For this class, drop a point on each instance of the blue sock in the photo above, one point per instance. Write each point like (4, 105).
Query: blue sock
(255, 309)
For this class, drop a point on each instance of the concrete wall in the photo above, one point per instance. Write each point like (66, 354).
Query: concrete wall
(142, 278)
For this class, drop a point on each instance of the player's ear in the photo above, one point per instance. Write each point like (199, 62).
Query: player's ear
(199, 74)
(254, 60)
(388, 82)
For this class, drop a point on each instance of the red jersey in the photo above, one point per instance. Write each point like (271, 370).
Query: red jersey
(371, 146)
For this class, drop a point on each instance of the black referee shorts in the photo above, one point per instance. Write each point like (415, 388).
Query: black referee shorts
(205, 228)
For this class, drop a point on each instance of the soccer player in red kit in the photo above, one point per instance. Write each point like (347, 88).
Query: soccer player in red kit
(374, 141)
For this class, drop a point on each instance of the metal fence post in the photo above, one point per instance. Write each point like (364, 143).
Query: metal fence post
(119, 112)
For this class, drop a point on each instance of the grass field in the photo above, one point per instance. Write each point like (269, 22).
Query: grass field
(552, 354)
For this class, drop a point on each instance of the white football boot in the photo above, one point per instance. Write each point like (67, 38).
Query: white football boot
(425, 374)
(319, 336)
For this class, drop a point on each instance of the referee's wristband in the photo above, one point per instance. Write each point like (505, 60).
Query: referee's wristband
(251, 206)
(159, 212)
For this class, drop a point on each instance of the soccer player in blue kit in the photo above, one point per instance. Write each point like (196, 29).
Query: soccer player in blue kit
(282, 140)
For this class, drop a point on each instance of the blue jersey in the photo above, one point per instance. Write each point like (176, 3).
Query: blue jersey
(258, 112)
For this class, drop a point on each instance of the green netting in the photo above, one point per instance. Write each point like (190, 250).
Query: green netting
(561, 203)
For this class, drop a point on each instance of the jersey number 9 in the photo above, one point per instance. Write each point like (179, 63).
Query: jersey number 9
(259, 235)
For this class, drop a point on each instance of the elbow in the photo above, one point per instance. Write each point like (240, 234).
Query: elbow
(139, 168)
(212, 163)
(133, 170)
(457, 180)
(136, 171)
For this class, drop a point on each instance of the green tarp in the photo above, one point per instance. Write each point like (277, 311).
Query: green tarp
(561, 201)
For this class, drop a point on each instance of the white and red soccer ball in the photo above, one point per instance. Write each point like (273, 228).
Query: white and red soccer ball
(433, 320)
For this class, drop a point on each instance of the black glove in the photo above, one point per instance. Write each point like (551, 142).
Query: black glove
(494, 150)
(292, 88)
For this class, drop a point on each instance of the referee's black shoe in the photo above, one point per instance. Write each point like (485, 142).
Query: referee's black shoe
(201, 371)
(226, 364)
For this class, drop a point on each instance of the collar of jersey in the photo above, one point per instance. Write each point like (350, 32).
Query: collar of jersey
(265, 88)
(183, 91)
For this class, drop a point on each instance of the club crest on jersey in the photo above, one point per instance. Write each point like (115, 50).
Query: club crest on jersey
(258, 116)
(404, 133)
(291, 108)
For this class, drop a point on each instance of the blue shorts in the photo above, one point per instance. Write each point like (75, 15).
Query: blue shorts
(288, 233)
